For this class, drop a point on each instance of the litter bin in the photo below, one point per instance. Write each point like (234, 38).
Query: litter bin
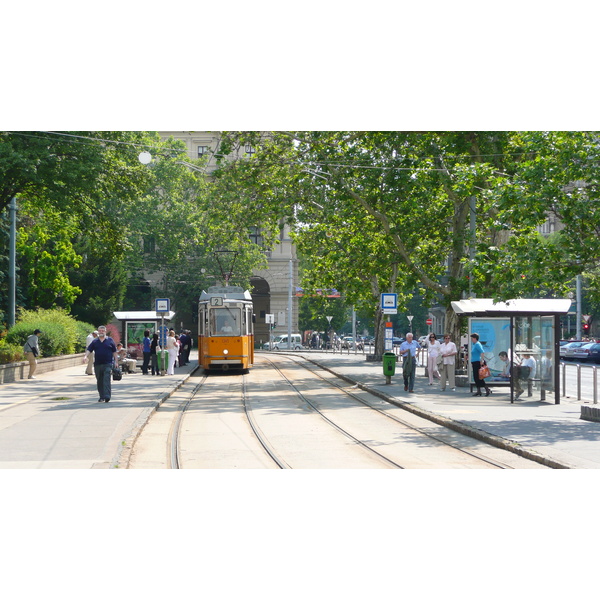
(389, 364)
(163, 360)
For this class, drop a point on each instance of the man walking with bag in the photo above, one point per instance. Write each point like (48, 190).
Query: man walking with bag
(105, 356)
(32, 349)
(410, 349)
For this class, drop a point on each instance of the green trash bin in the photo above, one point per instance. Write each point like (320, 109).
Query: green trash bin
(163, 360)
(389, 364)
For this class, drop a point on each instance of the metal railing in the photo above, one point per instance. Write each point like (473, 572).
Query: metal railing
(582, 382)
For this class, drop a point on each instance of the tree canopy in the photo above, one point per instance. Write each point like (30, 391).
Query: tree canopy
(391, 211)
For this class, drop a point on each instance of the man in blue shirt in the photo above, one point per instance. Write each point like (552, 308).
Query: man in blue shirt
(105, 356)
(410, 349)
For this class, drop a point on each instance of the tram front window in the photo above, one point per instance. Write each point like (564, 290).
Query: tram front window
(226, 322)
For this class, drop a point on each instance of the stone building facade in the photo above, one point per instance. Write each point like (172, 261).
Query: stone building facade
(271, 286)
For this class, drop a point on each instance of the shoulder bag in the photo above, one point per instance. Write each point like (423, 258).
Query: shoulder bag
(484, 371)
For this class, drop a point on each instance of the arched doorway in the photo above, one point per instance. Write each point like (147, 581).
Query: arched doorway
(261, 298)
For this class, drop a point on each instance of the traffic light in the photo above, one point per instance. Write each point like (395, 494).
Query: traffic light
(586, 328)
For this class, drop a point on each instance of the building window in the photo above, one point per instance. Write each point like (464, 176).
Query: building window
(149, 244)
(202, 150)
(249, 150)
(255, 236)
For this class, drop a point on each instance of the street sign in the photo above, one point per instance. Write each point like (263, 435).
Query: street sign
(429, 321)
(389, 304)
(388, 342)
(163, 305)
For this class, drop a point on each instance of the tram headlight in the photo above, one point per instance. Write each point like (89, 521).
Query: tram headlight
(225, 352)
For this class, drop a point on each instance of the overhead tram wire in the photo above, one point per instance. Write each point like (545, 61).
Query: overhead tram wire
(81, 139)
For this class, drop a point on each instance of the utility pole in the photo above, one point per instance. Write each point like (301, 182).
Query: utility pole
(12, 263)
(290, 305)
(578, 307)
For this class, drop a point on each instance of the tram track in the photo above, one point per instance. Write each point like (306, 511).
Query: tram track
(279, 429)
(177, 408)
(315, 371)
(174, 436)
(257, 431)
(343, 431)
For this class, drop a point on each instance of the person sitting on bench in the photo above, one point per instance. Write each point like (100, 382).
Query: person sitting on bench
(127, 364)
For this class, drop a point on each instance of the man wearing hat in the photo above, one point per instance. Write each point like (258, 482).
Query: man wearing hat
(32, 349)
(89, 369)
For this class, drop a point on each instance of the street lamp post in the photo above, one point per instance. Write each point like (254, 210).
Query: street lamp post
(12, 263)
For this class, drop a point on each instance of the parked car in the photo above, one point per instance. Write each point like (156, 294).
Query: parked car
(281, 342)
(569, 349)
(583, 352)
(594, 353)
(423, 341)
(396, 341)
(347, 342)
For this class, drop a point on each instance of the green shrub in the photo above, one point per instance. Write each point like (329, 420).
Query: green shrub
(60, 332)
(10, 353)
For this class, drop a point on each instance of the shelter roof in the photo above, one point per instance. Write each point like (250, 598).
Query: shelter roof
(518, 307)
(141, 315)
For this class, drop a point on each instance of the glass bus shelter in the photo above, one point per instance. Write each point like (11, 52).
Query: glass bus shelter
(521, 340)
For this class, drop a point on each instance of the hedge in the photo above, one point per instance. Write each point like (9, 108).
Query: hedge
(61, 334)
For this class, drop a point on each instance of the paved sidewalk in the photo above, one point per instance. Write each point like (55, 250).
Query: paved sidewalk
(553, 434)
(43, 420)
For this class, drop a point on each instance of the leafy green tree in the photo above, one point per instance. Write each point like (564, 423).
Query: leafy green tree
(400, 206)
(45, 255)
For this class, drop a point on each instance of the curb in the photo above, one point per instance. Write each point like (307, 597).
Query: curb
(123, 456)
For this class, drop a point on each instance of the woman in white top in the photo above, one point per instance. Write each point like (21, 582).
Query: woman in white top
(433, 351)
(172, 351)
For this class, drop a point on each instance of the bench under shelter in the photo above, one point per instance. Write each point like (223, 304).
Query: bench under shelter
(523, 328)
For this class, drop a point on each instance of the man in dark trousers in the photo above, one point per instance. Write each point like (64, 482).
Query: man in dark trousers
(105, 356)
(184, 353)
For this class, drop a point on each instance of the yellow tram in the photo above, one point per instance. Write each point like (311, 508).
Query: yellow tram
(225, 329)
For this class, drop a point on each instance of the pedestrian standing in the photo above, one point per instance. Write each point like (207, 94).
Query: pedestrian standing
(433, 351)
(154, 349)
(89, 370)
(105, 356)
(32, 350)
(172, 351)
(410, 349)
(448, 352)
(184, 354)
(477, 357)
(146, 351)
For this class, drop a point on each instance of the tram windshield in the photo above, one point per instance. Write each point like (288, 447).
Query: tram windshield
(225, 321)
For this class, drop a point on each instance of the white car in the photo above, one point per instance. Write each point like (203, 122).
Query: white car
(281, 343)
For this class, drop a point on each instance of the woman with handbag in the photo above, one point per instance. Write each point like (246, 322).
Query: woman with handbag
(477, 361)
(433, 352)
